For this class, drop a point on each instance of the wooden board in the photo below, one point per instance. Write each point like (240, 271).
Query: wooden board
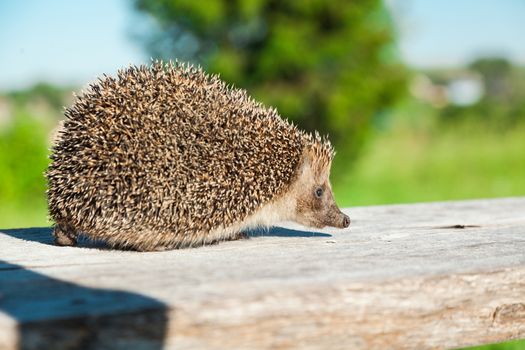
(423, 276)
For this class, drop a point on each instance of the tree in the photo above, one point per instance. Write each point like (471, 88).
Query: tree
(326, 65)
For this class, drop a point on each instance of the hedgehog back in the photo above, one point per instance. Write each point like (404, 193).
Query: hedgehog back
(167, 150)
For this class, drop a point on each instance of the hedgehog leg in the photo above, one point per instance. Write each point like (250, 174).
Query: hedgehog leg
(64, 235)
(234, 237)
(239, 235)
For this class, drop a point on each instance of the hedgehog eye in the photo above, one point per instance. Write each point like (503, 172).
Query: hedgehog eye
(319, 192)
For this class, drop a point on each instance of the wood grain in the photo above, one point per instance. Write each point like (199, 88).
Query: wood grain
(422, 276)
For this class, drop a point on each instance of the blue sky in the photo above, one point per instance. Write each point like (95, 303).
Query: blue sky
(64, 41)
(72, 42)
(452, 32)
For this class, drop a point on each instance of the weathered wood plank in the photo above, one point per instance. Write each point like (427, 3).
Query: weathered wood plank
(402, 276)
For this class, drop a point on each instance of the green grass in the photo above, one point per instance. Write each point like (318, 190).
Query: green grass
(410, 165)
(18, 216)
(23, 160)
(511, 345)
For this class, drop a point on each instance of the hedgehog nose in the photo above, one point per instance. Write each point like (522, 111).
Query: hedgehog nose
(346, 221)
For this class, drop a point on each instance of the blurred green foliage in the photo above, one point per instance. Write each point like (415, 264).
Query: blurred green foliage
(51, 95)
(23, 160)
(418, 159)
(511, 345)
(327, 65)
(28, 119)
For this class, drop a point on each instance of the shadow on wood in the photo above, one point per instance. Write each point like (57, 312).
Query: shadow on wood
(285, 232)
(50, 313)
(44, 235)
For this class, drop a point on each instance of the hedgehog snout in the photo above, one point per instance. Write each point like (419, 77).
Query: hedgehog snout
(346, 221)
(342, 221)
(336, 218)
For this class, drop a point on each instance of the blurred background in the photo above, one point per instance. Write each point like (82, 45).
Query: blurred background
(424, 100)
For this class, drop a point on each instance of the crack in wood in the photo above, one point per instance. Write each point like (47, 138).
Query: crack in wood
(508, 313)
(457, 226)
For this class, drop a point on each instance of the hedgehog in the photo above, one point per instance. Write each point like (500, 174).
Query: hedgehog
(166, 156)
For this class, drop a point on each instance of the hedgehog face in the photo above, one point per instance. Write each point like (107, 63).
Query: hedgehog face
(315, 204)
